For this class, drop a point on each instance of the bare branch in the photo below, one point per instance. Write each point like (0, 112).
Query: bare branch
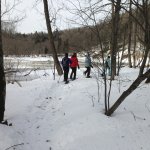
(14, 146)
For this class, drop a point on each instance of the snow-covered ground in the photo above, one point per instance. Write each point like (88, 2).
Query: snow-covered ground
(49, 115)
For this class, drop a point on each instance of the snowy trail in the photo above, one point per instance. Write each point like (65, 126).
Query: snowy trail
(48, 115)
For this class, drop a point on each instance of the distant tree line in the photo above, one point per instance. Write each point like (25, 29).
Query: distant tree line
(78, 39)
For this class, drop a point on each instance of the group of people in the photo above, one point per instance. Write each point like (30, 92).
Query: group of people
(70, 63)
(73, 63)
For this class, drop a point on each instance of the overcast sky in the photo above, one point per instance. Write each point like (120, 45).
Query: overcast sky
(34, 15)
(34, 19)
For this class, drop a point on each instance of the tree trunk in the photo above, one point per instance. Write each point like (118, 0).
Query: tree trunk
(134, 49)
(123, 49)
(148, 80)
(147, 35)
(2, 77)
(134, 85)
(135, 40)
(51, 40)
(115, 27)
(130, 35)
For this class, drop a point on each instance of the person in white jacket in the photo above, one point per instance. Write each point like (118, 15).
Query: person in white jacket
(88, 65)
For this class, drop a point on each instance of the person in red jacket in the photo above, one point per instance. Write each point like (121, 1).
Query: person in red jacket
(74, 66)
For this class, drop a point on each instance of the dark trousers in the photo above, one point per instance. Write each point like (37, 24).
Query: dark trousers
(1, 116)
(73, 73)
(2, 109)
(88, 71)
(66, 71)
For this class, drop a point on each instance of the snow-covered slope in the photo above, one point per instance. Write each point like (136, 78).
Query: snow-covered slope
(49, 115)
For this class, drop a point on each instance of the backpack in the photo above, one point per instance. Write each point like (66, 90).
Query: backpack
(65, 62)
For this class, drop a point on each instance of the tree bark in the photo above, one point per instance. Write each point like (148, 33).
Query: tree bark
(2, 76)
(147, 35)
(134, 49)
(115, 28)
(130, 34)
(123, 49)
(134, 85)
(148, 80)
(51, 40)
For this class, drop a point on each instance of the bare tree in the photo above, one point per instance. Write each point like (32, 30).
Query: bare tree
(116, 7)
(130, 33)
(135, 44)
(145, 13)
(126, 93)
(51, 39)
(143, 7)
(87, 15)
(2, 77)
(9, 21)
(148, 80)
(123, 48)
